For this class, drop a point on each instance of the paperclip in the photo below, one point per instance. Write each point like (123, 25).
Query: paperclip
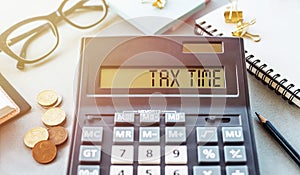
(242, 31)
(233, 15)
(159, 3)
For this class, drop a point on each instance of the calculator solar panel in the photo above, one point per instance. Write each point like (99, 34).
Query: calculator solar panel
(162, 105)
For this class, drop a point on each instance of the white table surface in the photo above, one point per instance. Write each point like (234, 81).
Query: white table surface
(58, 73)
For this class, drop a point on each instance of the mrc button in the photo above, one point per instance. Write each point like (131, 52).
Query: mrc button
(232, 134)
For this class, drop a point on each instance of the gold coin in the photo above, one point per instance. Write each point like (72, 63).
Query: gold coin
(44, 151)
(54, 117)
(47, 98)
(35, 135)
(57, 135)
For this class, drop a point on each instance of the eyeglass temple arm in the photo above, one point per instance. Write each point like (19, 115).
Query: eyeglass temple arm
(54, 16)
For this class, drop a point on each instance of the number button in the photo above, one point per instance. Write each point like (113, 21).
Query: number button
(176, 170)
(122, 154)
(148, 170)
(149, 155)
(121, 170)
(176, 155)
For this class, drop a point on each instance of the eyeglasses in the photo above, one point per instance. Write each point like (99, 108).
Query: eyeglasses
(34, 39)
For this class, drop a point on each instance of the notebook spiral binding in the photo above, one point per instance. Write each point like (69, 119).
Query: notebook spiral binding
(258, 69)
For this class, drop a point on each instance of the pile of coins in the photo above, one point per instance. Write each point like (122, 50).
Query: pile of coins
(44, 141)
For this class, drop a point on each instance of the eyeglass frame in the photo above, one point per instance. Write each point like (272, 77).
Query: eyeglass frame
(52, 19)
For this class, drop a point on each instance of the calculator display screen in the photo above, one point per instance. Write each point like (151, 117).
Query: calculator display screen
(192, 77)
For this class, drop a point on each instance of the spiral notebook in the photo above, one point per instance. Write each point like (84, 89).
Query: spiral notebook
(275, 59)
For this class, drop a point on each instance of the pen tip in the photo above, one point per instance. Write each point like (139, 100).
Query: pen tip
(261, 118)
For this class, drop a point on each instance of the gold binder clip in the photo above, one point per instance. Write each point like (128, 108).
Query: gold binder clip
(159, 3)
(242, 30)
(233, 15)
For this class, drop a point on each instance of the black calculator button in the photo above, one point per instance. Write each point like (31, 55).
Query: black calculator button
(175, 135)
(232, 134)
(149, 155)
(149, 118)
(92, 134)
(149, 135)
(176, 170)
(235, 154)
(206, 170)
(90, 153)
(176, 155)
(208, 154)
(172, 118)
(124, 118)
(88, 169)
(123, 135)
(236, 170)
(148, 170)
(122, 154)
(121, 170)
(207, 135)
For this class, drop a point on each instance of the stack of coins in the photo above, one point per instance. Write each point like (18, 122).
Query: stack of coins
(44, 141)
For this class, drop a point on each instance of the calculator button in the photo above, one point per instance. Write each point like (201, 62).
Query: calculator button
(124, 118)
(90, 153)
(149, 135)
(122, 154)
(176, 155)
(176, 170)
(207, 135)
(172, 118)
(235, 154)
(148, 170)
(149, 155)
(121, 170)
(123, 135)
(206, 170)
(236, 170)
(232, 134)
(175, 135)
(149, 118)
(208, 154)
(92, 134)
(88, 169)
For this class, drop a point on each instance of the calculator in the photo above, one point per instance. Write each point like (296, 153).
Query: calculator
(162, 105)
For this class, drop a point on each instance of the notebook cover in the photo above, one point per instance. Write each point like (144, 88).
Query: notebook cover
(151, 20)
(18, 102)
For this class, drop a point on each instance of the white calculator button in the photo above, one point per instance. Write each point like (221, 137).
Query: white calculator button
(123, 135)
(176, 155)
(232, 134)
(149, 118)
(92, 134)
(175, 135)
(122, 154)
(176, 170)
(124, 118)
(121, 170)
(149, 135)
(207, 135)
(208, 154)
(235, 154)
(149, 155)
(88, 169)
(148, 170)
(89, 153)
(172, 118)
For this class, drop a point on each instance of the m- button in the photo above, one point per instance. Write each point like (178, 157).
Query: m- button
(232, 134)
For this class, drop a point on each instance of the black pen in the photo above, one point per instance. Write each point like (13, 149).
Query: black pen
(279, 138)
